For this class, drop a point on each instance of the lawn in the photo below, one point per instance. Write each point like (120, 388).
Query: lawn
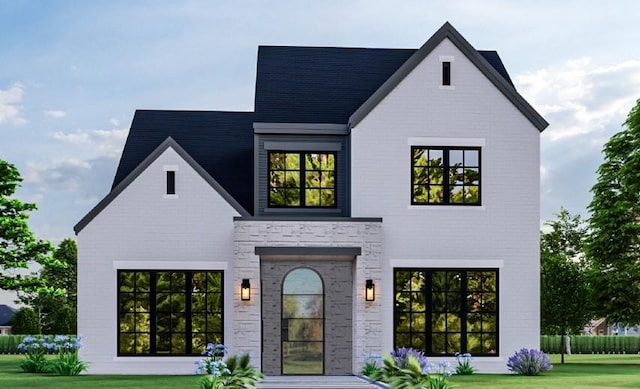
(579, 371)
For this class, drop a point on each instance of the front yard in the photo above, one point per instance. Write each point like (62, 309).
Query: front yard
(579, 371)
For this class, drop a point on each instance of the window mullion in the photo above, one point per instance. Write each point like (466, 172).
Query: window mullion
(152, 312)
(302, 172)
(463, 312)
(445, 175)
(429, 318)
(188, 323)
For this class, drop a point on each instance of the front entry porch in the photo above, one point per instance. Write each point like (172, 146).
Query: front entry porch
(316, 382)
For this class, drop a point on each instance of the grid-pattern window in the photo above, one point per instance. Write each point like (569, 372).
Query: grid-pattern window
(442, 312)
(445, 175)
(169, 312)
(302, 179)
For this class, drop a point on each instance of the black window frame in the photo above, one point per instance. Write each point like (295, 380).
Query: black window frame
(153, 314)
(302, 170)
(446, 171)
(171, 182)
(446, 73)
(429, 312)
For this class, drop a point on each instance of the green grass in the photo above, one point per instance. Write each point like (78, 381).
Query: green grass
(11, 376)
(578, 372)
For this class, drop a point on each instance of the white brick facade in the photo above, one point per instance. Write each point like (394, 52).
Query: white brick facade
(503, 231)
(198, 229)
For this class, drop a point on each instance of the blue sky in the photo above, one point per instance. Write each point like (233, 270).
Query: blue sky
(72, 73)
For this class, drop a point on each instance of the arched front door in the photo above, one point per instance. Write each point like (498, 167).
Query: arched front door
(302, 322)
(306, 315)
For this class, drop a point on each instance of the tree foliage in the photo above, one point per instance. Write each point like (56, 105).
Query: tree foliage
(59, 310)
(565, 289)
(18, 246)
(614, 244)
(25, 322)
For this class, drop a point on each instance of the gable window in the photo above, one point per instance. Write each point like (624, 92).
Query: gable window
(445, 175)
(446, 73)
(171, 182)
(169, 312)
(302, 179)
(445, 311)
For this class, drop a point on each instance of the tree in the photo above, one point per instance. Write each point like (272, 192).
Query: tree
(565, 292)
(613, 248)
(59, 310)
(18, 246)
(25, 322)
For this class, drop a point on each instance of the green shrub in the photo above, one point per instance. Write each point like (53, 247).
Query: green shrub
(9, 344)
(25, 322)
(593, 344)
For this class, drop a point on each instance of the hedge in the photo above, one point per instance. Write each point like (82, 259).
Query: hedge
(9, 344)
(595, 344)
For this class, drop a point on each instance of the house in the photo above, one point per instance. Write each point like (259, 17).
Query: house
(6, 313)
(374, 199)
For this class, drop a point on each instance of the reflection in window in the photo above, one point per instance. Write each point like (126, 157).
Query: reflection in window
(445, 175)
(302, 323)
(169, 312)
(446, 311)
(302, 179)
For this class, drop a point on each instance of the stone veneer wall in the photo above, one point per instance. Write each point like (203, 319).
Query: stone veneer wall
(366, 234)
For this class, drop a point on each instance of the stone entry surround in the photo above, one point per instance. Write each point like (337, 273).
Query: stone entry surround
(314, 236)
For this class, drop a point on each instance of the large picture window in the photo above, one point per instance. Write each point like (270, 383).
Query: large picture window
(169, 312)
(442, 312)
(445, 175)
(302, 179)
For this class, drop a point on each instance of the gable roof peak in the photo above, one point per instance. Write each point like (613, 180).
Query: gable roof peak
(448, 31)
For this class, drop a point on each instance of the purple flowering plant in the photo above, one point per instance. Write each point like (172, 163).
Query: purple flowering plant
(529, 362)
(401, 357)
(410, 368)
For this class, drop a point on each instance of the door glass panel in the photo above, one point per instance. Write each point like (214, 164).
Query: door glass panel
(302, 323)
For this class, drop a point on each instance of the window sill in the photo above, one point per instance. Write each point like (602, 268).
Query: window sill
(154, 358)
(303, 210)
(448, 207)
(170, 196)
(447, 87)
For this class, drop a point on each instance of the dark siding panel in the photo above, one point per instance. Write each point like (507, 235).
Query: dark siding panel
(341, 173)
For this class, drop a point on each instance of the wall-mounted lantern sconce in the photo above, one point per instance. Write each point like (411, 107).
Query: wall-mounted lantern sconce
(245, 290)
(370, 291)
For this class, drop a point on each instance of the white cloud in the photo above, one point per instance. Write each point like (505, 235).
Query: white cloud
(90, 156)
(10, 107)
(102, 143)
(580, 98)
(585, 105)
(55, 114)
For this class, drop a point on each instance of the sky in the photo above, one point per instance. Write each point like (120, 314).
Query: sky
(72, 74)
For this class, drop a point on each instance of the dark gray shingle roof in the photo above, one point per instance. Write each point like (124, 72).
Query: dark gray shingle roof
(221, 142)
(326, 84)
(6, 313)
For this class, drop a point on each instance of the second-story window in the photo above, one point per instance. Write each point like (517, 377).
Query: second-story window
(445, 175)
(302, 179)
